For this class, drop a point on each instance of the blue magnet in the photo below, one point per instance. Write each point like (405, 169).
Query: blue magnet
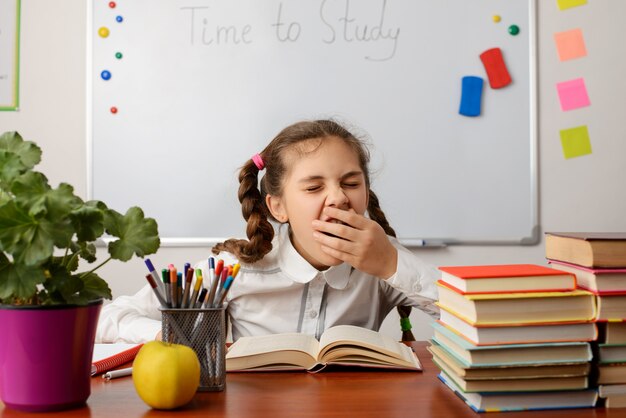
(471, 95)
(119, 19)
(106, 75)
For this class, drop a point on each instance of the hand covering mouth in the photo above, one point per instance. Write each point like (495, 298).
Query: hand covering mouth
(334, 221)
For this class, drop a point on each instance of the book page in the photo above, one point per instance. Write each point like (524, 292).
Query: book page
(102, 351)
(249, 346)
(351, 335)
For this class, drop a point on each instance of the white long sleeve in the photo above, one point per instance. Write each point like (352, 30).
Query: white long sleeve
(130, 319)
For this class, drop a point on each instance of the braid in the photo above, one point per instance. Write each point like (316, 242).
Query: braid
(258, 230)
(377, 214)
(405, 323)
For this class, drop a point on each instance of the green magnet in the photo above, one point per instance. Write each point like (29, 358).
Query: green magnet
(513, 30)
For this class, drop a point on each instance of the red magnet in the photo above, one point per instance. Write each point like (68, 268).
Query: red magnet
(114, 110)
(494, 64)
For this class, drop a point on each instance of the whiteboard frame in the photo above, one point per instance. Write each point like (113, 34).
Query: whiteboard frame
(535, 233)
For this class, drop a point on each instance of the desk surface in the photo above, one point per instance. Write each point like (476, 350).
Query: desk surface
(300, 394)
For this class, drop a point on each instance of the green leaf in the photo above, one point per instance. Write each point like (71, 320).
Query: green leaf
(62, 287)
(88, 251)
(30, 191)
(96, 204)
(18, 281)
(137, 234)
(31, 241)
(14, 223)
(28, 152)
(11, 167)
(16, 156)
(95, 287)
(88, 222)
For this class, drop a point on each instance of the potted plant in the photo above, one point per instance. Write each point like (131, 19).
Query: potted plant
(50, 295)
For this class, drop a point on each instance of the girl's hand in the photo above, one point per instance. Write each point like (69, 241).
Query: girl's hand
(361, 242)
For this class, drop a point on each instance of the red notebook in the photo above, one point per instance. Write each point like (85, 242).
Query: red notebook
(507, 278)
(105, 361)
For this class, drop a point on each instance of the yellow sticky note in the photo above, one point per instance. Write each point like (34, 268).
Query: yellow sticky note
(566, 4)
(575, 142)
(570, 44)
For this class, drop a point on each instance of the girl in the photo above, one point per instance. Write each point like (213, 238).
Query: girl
(329, 263)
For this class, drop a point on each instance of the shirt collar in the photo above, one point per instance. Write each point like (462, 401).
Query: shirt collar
(300, 271)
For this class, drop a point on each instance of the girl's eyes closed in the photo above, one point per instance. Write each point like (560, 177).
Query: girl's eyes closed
(346, 185)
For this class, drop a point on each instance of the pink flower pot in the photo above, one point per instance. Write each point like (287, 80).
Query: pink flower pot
(45, 355)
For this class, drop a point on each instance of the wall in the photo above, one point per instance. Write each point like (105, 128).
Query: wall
(583, 193)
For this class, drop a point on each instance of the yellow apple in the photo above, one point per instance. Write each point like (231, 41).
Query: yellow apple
(166, 375)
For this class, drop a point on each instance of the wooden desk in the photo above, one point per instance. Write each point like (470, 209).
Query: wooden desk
(293, 394)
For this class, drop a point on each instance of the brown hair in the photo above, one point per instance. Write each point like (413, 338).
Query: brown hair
(259, 230)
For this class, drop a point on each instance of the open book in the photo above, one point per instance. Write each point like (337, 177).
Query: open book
(345, 345)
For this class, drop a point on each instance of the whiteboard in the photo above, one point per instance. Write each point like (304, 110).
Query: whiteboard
(202, 85)
(9, 54)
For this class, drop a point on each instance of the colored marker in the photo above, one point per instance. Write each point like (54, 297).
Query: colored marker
(227, 284)
(185, 269)
(152, 271)
(117, 373)
(236, 268)
(196, 289)
(201, 302)
(188, 279)
(166, 282)
(156, 291)
(222, 281)
(174, 285)
(179, 289)
(215, 279)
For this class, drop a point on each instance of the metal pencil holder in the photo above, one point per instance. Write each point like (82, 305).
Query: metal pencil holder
(204, 330)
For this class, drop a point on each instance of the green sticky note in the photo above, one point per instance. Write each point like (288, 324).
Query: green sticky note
(575, 142)
(566, 4)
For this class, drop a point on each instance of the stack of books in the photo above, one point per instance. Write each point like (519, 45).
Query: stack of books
(515, 337)
(599, 262)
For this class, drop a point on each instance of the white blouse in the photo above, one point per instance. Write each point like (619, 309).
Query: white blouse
(284, 293)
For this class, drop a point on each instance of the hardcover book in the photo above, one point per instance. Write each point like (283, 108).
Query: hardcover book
(612, 332)
(611, 353)
(588, 249)
(343, 345)
(611, 308)
(514, 385)
(519, 308)
(520, 401)
(611, 373)
(519, 334)
(596, 280)
(506, 278)
(505, 372)
(471, 355)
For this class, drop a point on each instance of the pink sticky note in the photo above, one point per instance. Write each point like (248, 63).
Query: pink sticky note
(570, 44)
(573, 94)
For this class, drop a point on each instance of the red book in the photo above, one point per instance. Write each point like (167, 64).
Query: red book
(507, 278)
(597, 280)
